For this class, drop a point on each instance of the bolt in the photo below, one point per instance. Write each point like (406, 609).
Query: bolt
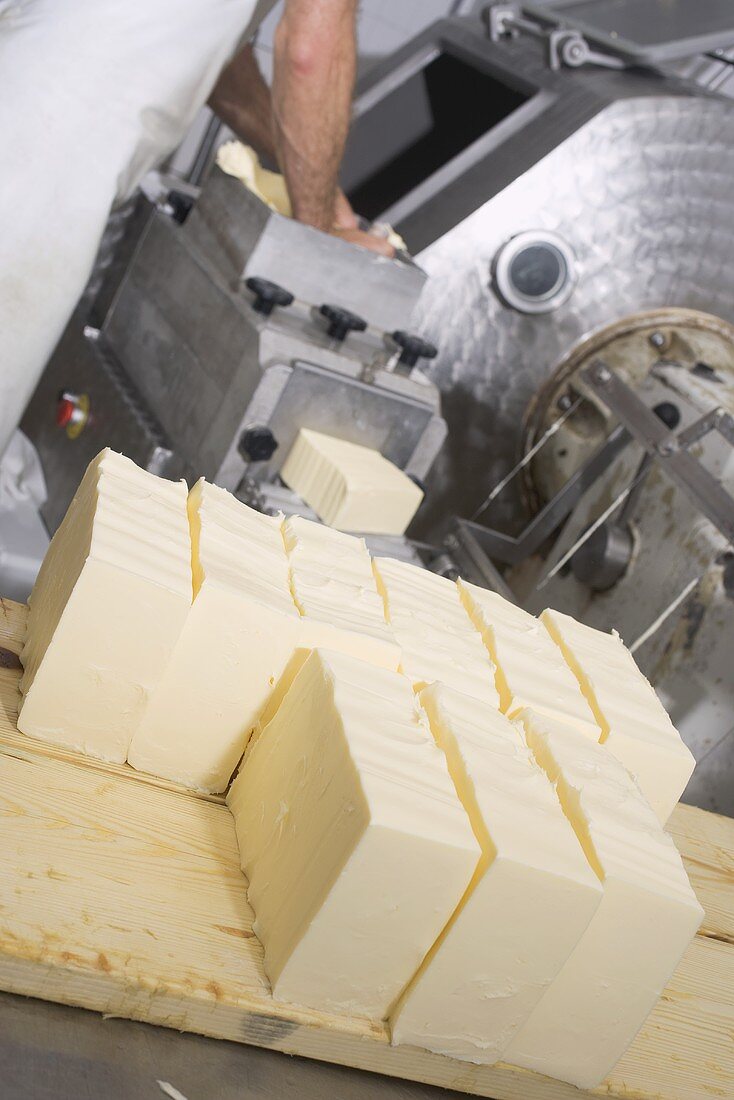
(564, 402)
(657, 339)
(603, 374)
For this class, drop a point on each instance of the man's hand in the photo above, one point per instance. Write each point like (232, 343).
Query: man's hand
(365, 240)
(346, 226)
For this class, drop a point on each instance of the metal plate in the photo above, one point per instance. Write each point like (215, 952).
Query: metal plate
(117, 419)
(644, 30)
(642, 194)
(349, 409)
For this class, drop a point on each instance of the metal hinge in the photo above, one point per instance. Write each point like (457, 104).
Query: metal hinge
(566, 47)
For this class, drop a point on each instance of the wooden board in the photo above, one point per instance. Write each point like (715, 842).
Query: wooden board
(124, 895)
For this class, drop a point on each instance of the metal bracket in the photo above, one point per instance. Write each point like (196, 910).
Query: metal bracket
(513, 549)
(566, 47)
(669, 450)
(718, 420)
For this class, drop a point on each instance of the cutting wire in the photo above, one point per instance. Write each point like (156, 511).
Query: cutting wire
(655, 626)
(527, 457)
(594, 527)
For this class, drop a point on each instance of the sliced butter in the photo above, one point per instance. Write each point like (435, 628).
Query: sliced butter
(437, 639)
(335, 591)
(530, 900)
(106, 610)
(239, 636)
(351, 487)
(355, 844)
(531, 671)
(635, 726)
(646, 919)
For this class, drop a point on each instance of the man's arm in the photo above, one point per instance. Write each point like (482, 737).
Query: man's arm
(241, 98)
(315, 64)
(303, 124)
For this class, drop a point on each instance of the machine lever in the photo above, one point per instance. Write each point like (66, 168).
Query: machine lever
(341, 321)
(267, 295)
(412, 348)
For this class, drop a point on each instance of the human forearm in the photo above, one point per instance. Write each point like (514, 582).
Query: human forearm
(315, 64)
(241, 98)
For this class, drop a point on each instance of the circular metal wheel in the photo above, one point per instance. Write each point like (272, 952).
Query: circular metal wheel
(695, 341)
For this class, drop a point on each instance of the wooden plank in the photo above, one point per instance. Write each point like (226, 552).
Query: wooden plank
(12, 625)
(12, 628)
(126, 897)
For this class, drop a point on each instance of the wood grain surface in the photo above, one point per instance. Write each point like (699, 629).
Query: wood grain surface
(123, 894)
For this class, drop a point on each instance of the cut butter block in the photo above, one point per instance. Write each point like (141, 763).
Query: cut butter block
(335, 591)
(634, 724)
(350, 486)
(351, 834)
(242, 161)
(531, 670)
(530, 901)
(635, 940)
(106, 610)
(437, 639)
(239, 636)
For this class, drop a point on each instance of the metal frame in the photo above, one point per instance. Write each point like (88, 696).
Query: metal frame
(513, 549)
(669, 450)
(633, 53)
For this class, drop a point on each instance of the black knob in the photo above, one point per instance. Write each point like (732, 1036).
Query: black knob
(267, 295)
(413, 348)
(258, 444)
(668, 413)
(341, 321)
(179, 205)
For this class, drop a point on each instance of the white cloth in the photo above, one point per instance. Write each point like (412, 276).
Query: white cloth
(21, 475)
(92, 94)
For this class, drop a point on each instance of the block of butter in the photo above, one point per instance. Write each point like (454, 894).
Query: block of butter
(350, 487)
(106, 610)
(336, 593)
(529, 902)
(647, 916)
(240, 633)
(437, 639)
(241, 161)
(355, 844)
(634, 724)
(531, 670)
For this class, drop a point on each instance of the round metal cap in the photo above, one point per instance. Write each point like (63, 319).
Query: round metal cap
(604, 558)
(535, 271)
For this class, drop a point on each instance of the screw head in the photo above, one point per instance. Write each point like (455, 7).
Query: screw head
(657, 339)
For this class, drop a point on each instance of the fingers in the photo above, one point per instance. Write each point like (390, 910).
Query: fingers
(365, 240)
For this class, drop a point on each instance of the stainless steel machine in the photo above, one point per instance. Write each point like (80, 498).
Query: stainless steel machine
(563, 171)
(569, 194)
(231, 328)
